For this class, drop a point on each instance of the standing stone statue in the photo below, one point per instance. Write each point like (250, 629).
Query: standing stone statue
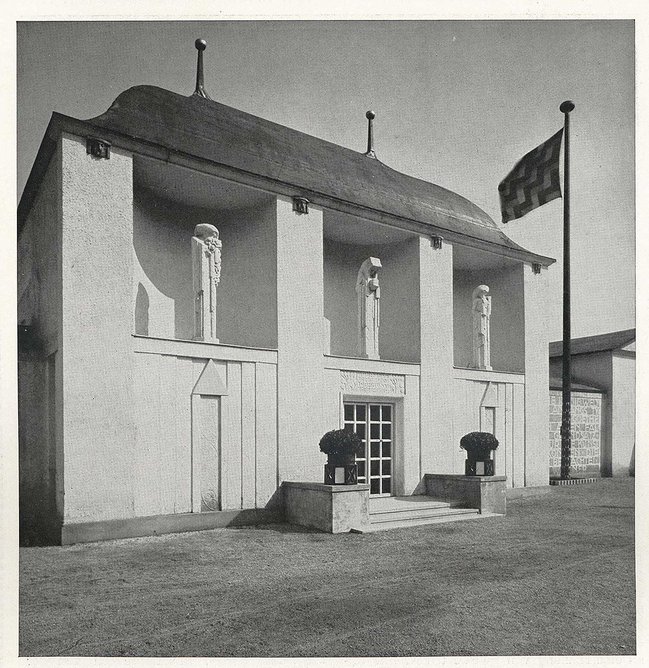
(369, 293)
(206, 265)
(481, 323)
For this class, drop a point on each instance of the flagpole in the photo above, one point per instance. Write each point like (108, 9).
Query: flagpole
(566, 107)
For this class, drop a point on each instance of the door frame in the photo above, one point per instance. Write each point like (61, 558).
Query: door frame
(397, 433)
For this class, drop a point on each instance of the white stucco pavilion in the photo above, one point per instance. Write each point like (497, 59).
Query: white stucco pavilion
(127, 420)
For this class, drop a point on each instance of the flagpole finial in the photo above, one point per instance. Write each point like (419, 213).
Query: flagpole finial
(566, 107)
(370, 115)
(200, 45)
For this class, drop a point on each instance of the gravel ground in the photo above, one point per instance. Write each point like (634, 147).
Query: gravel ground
(555, 576)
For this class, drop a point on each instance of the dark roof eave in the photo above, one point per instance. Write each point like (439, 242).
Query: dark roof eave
(556, 383)
(60, 123)
(598, 343)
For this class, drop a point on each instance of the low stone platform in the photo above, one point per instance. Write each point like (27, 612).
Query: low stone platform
(330, 508)
(345, 508)
(485, 493)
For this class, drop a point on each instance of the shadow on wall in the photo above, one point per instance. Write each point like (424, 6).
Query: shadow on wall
(162, 233)
(142, 311)
(399, 309)
(507, 321)
(39, 523)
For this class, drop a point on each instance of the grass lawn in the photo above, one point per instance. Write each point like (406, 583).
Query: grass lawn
(555, 576)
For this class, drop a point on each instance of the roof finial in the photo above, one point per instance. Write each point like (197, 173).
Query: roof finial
(370, 115)
(200, 45)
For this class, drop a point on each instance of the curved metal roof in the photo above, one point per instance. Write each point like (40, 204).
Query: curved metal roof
(320, 170)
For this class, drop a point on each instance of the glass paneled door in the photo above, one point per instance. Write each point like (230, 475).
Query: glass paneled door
(374, 423)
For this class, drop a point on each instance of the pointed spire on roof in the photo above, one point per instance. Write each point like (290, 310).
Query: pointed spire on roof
(370, 115)
(200, 45)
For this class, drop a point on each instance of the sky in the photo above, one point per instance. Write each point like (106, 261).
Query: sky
(457, 103)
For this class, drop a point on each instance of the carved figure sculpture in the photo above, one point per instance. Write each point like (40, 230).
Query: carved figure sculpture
(481, 324)
(369, 294)
(206, 265)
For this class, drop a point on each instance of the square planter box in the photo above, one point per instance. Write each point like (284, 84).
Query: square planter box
(486, 493)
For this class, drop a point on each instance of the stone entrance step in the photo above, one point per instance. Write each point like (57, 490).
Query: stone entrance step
(452, 515)
(399, 504)
(400, 512)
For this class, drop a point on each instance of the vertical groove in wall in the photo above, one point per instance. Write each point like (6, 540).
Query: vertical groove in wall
(170, 464)
(248, 434)
(265, 436)
(159, 439)
(196, 367)
(232, 439)
(524, 445)
(254, 415)
(241, 443)
(421, 416)
(192, 455)
(277, 443)
(219, 432)
(509, 441)
(223, 436)
(51, 435)
(179, 464)
(57, 161)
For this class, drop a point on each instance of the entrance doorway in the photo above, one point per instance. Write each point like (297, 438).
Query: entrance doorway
(374, 423)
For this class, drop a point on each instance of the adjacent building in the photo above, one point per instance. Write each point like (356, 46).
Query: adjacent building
(603, 404)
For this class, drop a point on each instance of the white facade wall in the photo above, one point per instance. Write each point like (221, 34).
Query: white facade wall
(623, 414)
(197, 451)
(139, 440)
(300, 378)
(537, 378)
(129, 446)
(437, 333)
(495, 403)
(99, 423)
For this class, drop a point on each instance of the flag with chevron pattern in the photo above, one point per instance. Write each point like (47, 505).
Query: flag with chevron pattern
(534, 181)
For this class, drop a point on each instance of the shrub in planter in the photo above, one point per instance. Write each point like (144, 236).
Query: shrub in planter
(341, 447)
(479, 446)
